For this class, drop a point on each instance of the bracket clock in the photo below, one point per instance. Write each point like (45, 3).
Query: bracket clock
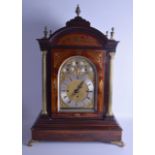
(77, 85)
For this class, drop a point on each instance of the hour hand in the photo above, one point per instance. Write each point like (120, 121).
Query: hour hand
(80, 85)
(75, 92)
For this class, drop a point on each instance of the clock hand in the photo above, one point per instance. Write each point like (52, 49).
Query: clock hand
(80, 85)
(77, 89)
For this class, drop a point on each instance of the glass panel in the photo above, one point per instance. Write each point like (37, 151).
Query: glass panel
(77, 85)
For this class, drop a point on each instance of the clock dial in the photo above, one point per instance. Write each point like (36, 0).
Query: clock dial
(77, 91)
(77, 85)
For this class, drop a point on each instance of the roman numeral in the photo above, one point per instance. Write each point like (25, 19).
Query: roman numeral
(89, 91)
(65, 90)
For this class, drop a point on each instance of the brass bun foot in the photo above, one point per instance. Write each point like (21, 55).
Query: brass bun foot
(118, 143)
(30, 142)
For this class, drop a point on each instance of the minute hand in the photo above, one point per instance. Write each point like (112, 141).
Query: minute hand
(80, 85)
(77, 89)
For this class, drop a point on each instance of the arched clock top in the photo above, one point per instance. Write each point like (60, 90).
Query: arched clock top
(78, 32)
(78, 36)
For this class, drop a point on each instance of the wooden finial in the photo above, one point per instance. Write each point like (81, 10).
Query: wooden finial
(112, 33)
(45, 32)
(78, 11)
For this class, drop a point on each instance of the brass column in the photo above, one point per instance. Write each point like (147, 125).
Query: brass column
(111, 57)
(44, 97)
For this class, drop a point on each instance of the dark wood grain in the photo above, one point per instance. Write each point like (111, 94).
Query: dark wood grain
(48, 129)
(97, 57)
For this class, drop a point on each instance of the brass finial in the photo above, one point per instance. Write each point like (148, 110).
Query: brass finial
(112, 33)
(78, 11)
(107, 33)
(45, 32)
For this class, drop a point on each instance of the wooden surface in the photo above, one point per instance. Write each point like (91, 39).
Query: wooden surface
(77, 41)
(97, 57)
(47, 129)
(77, 38)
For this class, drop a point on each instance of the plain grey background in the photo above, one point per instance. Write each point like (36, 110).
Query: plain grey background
(103, 14)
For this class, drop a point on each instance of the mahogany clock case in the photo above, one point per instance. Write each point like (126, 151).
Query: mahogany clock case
(77, 38)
